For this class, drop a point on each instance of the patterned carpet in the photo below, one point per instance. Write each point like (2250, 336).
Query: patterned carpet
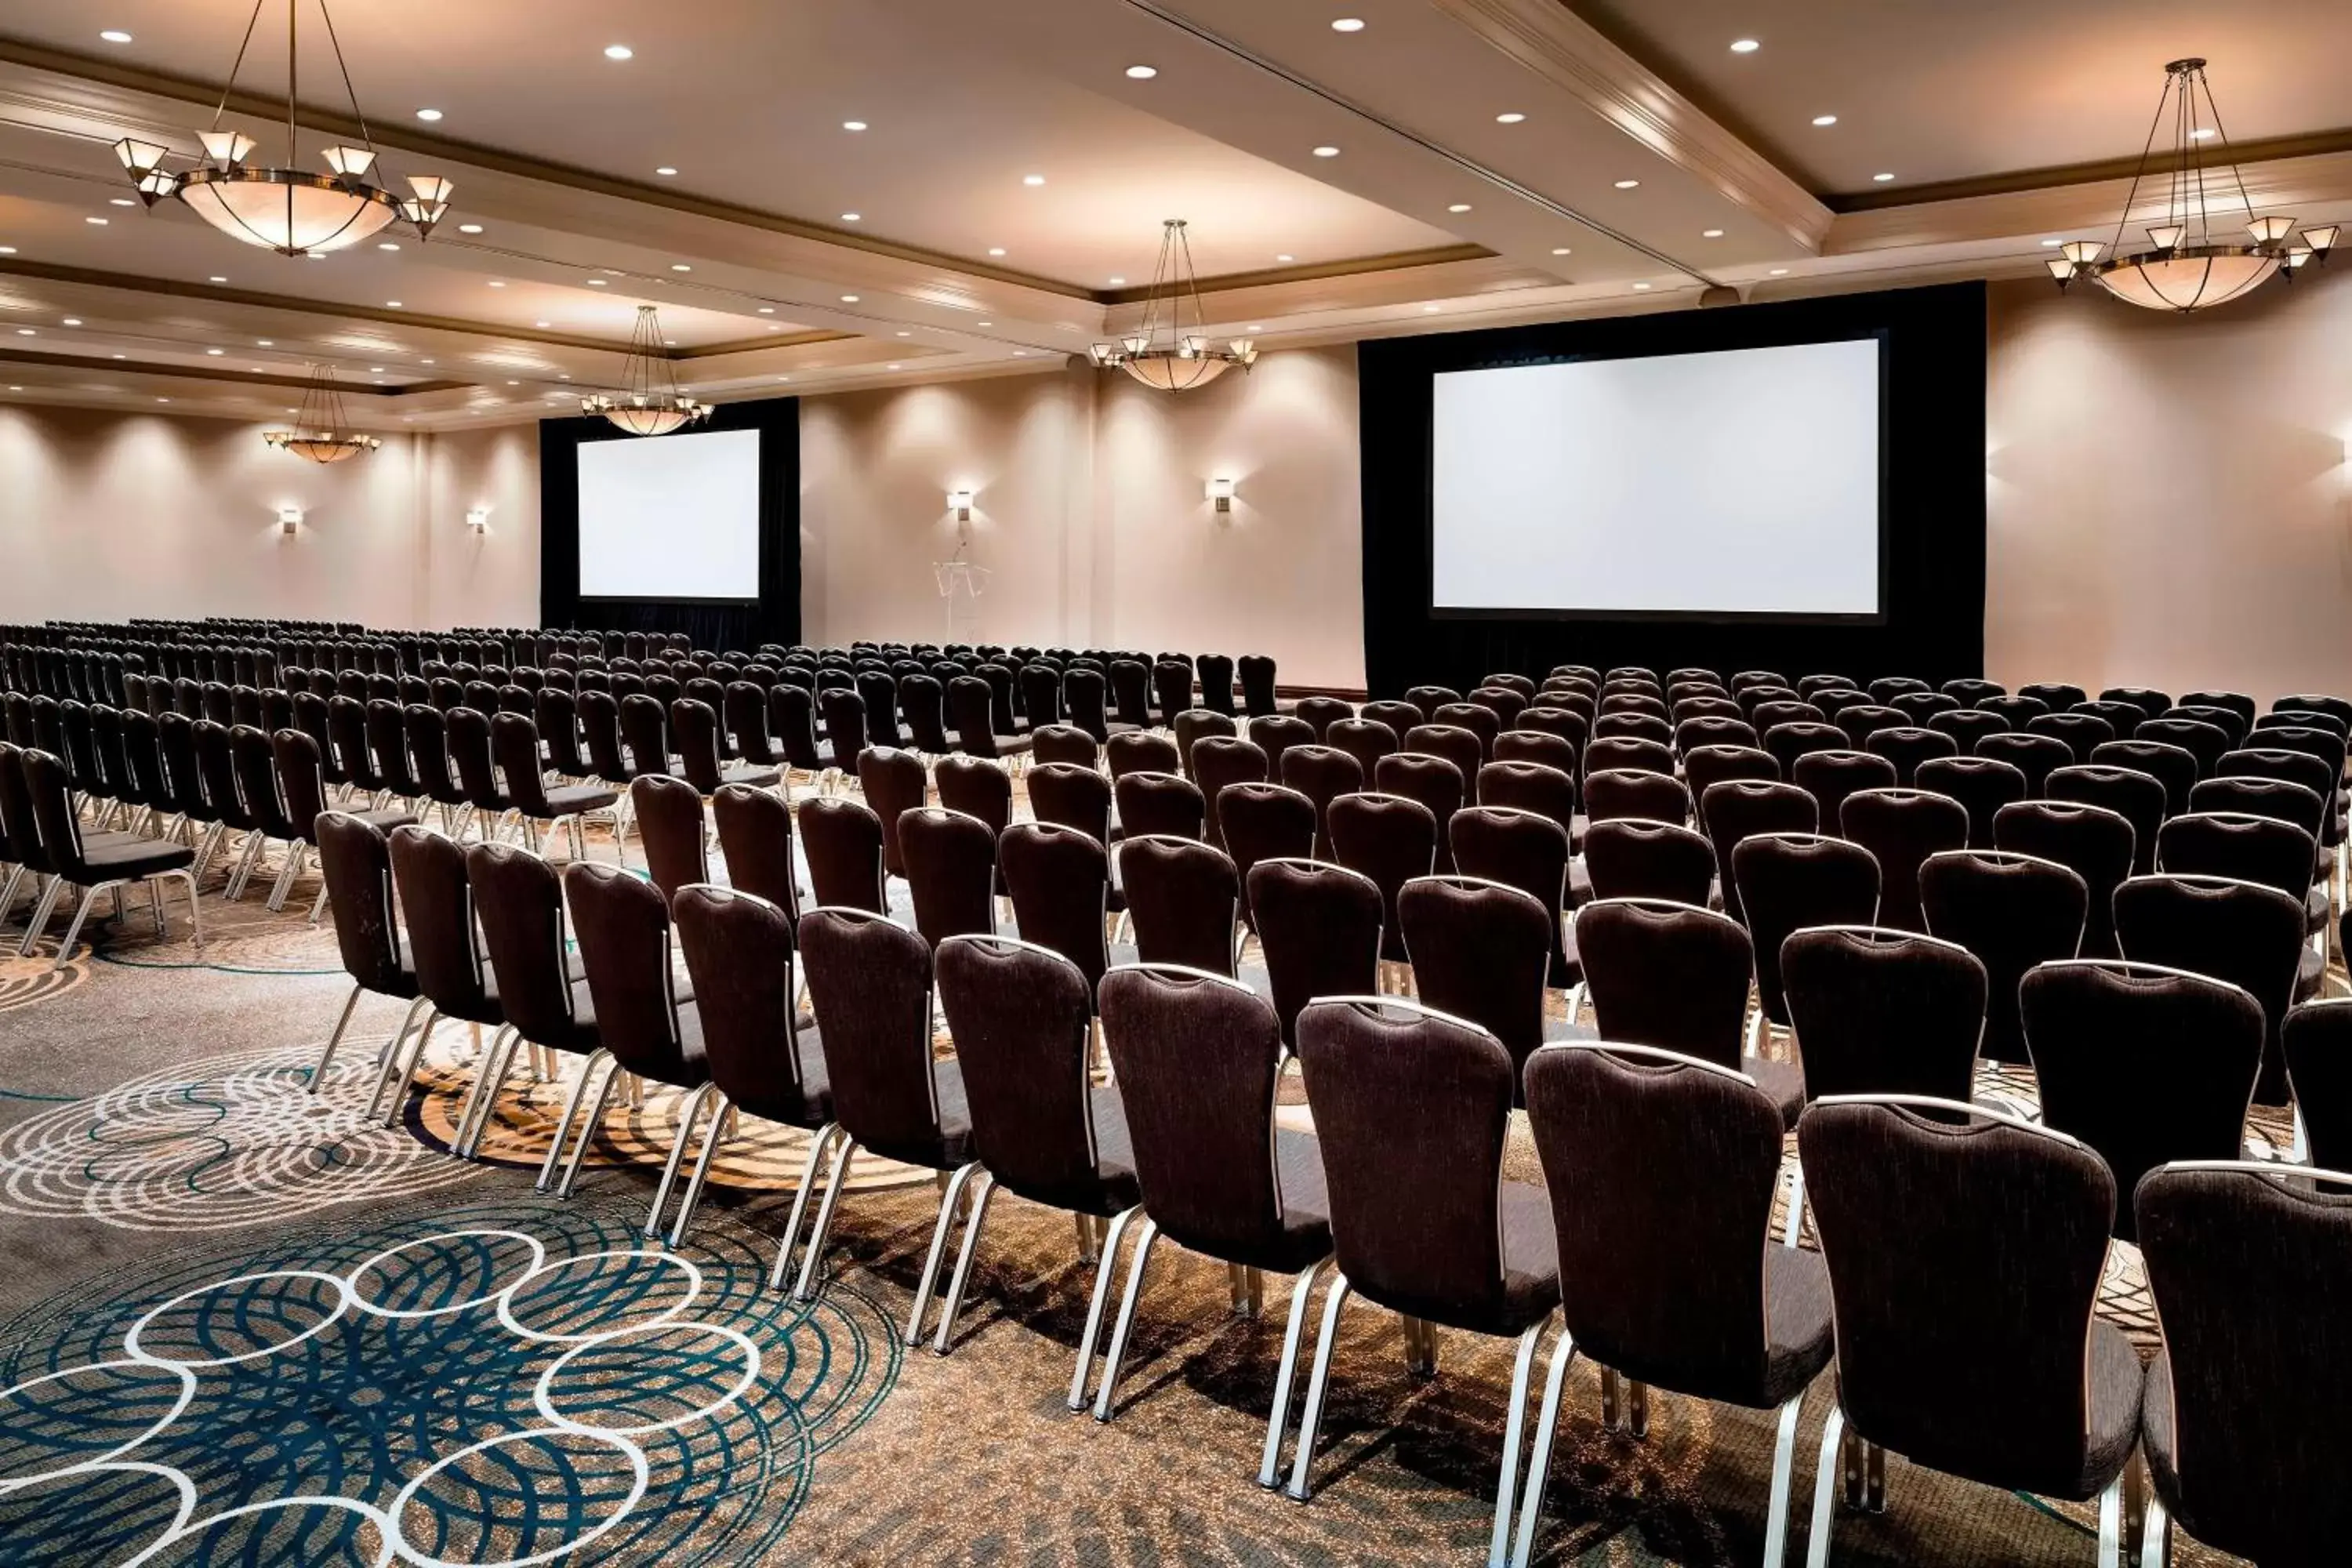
(237, 1324)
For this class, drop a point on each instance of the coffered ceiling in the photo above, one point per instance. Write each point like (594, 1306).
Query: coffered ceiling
(1447, 163)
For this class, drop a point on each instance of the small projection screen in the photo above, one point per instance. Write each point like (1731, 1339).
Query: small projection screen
(1723, 486)
(671, 517)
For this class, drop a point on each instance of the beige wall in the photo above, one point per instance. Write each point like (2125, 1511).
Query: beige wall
(105, 515)
(2169, 499)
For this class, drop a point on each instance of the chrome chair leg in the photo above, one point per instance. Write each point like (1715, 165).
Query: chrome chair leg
(983, 1189)
(845, 1152)
(1563, 1356)
(1128, 1298)
(2155, 1536)
(2111, 1523)
(723, 1127)
(482, 1094)
(407, 1075)
(1784, 1483)
(951, 1204)
(819, 1142)
(1277, 1420)
(1796, 1205)
(336, 1039)
(548, 1166)
(1106, 1264)
(16, 874)
(81, 913)
(588, 1126)
(1310, 1420)
(692, 1113)
(1507, 1489)
(1826, 1477)
(42, 908)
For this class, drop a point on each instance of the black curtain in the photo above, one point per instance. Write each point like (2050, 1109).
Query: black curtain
(774, 617)
(1933, 501)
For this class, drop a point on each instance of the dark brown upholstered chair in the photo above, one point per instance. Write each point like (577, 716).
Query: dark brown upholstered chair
(2013, 911)
(951, 861)
(1216, 675)
(443, 950)
(355, 862)
(1160, 803)
(1981, 784)
(1480, 952)
(1564, 723)
(1193, 726)
(1738, 809)
(1436, 782)
(1215, 761)
(1130, 692)
(2241, 933)
(1884, 1012)
(1526, 850)
(1630, 858)
(2251, 848)
(895, 782)
(2035, 756)
(2094, 843)
(518, 902)
(514, 744)
(1788, 741)
(1064, 744)
(1367, 741)
(1139, 751)
(1258, 693)
(975, 787)
(644, 729)
(1197, 1058)
(2137, 797)
(1662, 1170)
(1321, 712)
(1321, 772)
(2246, 1263)
(1275, 734)
(1414, 1111)
(870, 984)
(265, 802)
(1059, 879)
(1537, 746)
(1991, 1232)
(1907, 747)
(2147, 1065)
(700, 744)
(1707, 765)
(1071, 797)
(755, 834)
(1022, 1020)
(1967, 726)
(1390, 839)
(1766, 717)
(2278, 799)
(1863, 720)
(1922, 706)
(1318, 927)
(1183, 898)
(1617, 794)
(2055, 695)
(1830, 776)
(1901, 827)
(2317, 1042)
(1789, 881)
(1429, 698)
(1629, 724)
(2207, 742)
(1701, 730)
(667, 812)
(1085, 691)
(302, 782)
(1530, 787)
(1172, 689)
(1675, 976)
(983, 729)
(37, 798)
(1398, 716)
(842, 841)
(1263, 822)
(1602, 753)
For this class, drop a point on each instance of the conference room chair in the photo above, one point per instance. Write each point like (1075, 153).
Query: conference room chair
(2175, 769)
(1321, 773)
(1907, 746)
(443, 951)
(1827, 695)
(1265, 822)
(922, 704)
(1163, 802)
(2054, 695)
(667, 812)
(2243, 932)
(2013, 912)
(1197, 1058)
(1547, 792)
(1901, 829)
(2316, 1041)
(1086, 693)
(1886, 688)
(1861, 720)
(1630, 858)
(2080, 732)
(2013, 709)
(1528, 850)
(2144, 1064)
(600, 730)
(1193, 726)
(870, 982)
(894, 782)
(193, 821)
(1215, 761)
(1414, 1110)
(1981, 784)
(2146, 701)
(697, 737)
(1830, 776)
(263, 793)
(973, 709)
(1058, 877)
(1131, 688)
(1706, 765)
(1624, 726)
(1921, 706)
(540, 810)
(2206, 743)
(950, 871)
(1943, 1224)
(1072, 796)
(1141, 752)
(1063, 744)
(1319, 927)
(120, 784)
(2338, 708)
(556, 713)
(518, 902)
(842, 841)
(755, 834)
(1319, 714)
(653, 1034)
(2276, 798)
(1368, 740)
(1687, 702)
(1456, 746)
(1675, 976)
(843, 711)
(1525, 685)
(1567, 718)
(2265, 849)
(1711, 731)
(1275, 734)
(1003, 719)
(877, 692)
(1609, 753)
(1506, 702)
(143, 761)
(223, 793)
(1481, 952)
(1641, 701)
(302, 785)
(1766, 717)
(2227, 719)
(355, 862)
(1525, 746)
(2137, 797)
(1429, 698)
(1735, 810)
(45, 831)
(1967, 726)
(1390, 839)
(2122, 717)
(1790, 740)
(1879, 1011)
(1215, 671)
(2095, 844)
(1662, 1168)
(1172, 691)
(465, 745)
(1183, 900)
(1400, 716)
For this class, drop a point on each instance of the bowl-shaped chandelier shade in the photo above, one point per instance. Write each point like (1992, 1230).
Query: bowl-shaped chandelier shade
(2192, 277)
(1174, 372)
(286, 210)
(321, 432)
(642, 418)
(651, 404)
(1170, 350)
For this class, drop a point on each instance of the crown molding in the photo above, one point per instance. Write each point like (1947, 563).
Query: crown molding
(210, 373)
(2245, 154)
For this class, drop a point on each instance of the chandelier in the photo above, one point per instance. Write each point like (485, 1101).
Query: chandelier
(1160, 352)
(2181, 271)
(295, 212)
(652, 405)
(320, 432)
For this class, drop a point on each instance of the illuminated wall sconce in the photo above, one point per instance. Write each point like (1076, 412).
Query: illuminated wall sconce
(1221, 492)
(478, 519)
(289, 518)
(960, 503)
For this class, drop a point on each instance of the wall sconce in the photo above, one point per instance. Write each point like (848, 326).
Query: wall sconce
(478, 519)
(1221, 492)
(960, 503)
(289, 518)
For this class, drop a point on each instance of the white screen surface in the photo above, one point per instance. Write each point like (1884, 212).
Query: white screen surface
(670, 517)
(1743, 482)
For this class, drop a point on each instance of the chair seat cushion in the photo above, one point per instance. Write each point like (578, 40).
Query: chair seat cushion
(1798, 1340)
(571, 799)
(1784, 1081)
(751, 774)
(131, 856)
(386, 820)
(2310, 967)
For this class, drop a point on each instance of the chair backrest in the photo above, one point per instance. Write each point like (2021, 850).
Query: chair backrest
(519, 902)
(1158, 802)
(1212, 763)
(1063, 744)
(1524, 851)
(1071, 797)
(1321, 772)
(1059, 880)
(975, 787)
(869, 983)
(2145, 1065)
(1263, 821)
(2296, 804)
(2082, 733)
(755, 834)
(2317, 1041)
(2094, 843)
(1546, 791)
(2248, 1265)
(843, 842)
(1412, 1110)
(1662, 1170)
(1884, 1012)
(2243, 932)
(742, 954)
(1141, 752)
(1907, 746)
(256, 778)
(1184, 900)
(1637, 860)
(1391, 838)
(843, 712)
(2035, 756)
(895, 782)
(669, 813)
(2169, 764)
(2013, 911)
(2262, 849)
(623, 927)
(2207, 742)
(1367, 741)
(1021, 1015)
(1901, 827)
(1197, 1057)
(1981, 784)
(644, 729)
(1789, 881)
(951, 868)
(1256, 672)
(1171, 688)
(1981, 1236)
(695, 736)
(1216, 672)
(2137, 797)
(1735, 810)
(1319, 926)
(1481, 950)
(1664, 975)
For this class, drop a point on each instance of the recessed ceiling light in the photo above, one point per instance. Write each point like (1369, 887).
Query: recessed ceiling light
(514, 384)
(1710, 234)
(849, 299)
(1779, 272)
(498, 283)
(1825, 120)
(596, 283)
(2202, 134)
(469, 229)
(619, 52)
(988, 323)
(542, 325)
(664, 170)
(1142, 73)
(15, 389)
(426, 362)
(266, 342)
(215, 354)
(680, 266)
(26, 333)
(99, 221)
(1254, 327)
(1884, 178)
(1640, 285)
(375, 370)
(163, 400)
(1285, 256)
(2050, 244)
(1119, 282)
(1745, 45)
(767, 309)
(215, 278)
(121, 202)
(392, 304)
(1459, 207)
(428, 115)
(115, 36)
(563, 378)
(387, 244)
(1560, 250)
(906, 334)
(1512, 117)
(996, 250)
(1430, 310)
(1346, 24)
(1327, 152)
(890, 367)
(73, 321)
(853, 125)
(1628, 185)
(852, 217)
(8, 250)
(120, 356)
(1032, 179)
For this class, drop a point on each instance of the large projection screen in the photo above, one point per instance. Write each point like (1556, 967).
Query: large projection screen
(1728, 485)
(670, 517)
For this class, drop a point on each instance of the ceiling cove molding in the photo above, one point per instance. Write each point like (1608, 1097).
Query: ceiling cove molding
(208, 373)
(1467, 279)
(2246, 154)
(1567, 51)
